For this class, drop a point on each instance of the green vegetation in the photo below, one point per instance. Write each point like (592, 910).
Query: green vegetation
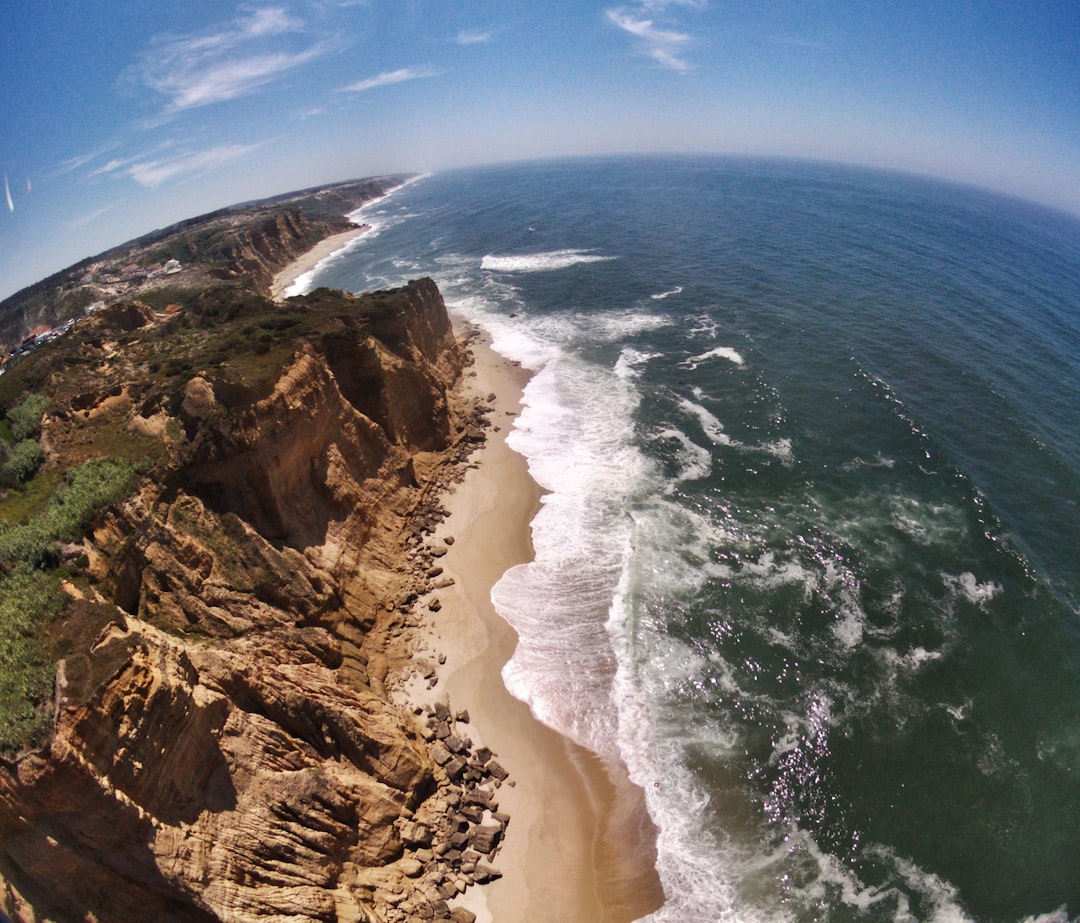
(24, 418)
(69, 511)
(104, 386)
(30, 498)
(28, 598)
(19, 463)
(161, 298)
(20, 454)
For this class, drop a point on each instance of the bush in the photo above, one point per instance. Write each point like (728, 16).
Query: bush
(20, 463)
(25, 417)
(30, 596)
(28, 599)
(86, 490)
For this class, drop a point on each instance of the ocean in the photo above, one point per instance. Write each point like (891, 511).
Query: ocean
(808, 560)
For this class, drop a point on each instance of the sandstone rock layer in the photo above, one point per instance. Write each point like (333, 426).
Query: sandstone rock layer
(223, 747)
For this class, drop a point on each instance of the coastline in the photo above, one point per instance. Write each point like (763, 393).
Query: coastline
(326, 247)
(579, 841)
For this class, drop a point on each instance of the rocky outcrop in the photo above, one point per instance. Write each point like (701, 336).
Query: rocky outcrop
(259, 249)
(224, 748)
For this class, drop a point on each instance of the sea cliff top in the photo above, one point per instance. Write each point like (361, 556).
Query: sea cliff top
(242, 244)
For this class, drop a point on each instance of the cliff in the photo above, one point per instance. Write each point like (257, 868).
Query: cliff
(244, 245)
(221, 744)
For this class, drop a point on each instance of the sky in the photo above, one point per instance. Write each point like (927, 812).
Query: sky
(122, 116)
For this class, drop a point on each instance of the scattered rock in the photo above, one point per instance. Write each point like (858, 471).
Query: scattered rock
(484, 874)
(484, 839)
(411, 867)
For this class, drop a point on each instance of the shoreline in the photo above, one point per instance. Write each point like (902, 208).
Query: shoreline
(579, 840)
(325, 248)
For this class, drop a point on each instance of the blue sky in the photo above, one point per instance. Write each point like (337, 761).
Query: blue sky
(127, 115)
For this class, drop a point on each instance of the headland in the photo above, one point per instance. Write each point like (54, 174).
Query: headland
(274, 664)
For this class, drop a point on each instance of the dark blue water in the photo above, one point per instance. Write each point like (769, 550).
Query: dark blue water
(809, 560)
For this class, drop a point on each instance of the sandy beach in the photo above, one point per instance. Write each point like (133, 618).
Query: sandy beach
(579, 846)
(324, 248)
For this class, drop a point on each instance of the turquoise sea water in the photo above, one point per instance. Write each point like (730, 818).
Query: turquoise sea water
(809, 560)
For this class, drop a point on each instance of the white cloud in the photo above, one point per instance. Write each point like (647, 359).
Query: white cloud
(270, 21)
(76, 224)
(229, 79)
(152, 173)
(111, 167)
(644, 28)
(237, 59)
(77, 163)
(668, 60)
(661, 44)
(386, 78)
(473, 37)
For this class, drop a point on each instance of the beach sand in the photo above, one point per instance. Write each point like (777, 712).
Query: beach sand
(579, 847)
(324, 248)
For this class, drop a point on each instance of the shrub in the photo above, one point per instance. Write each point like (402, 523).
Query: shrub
(86, 490)
(25, 417)
(23, 459)
(28, 598)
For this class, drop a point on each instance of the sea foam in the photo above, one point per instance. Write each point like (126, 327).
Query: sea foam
(719, 352)
(540, 262)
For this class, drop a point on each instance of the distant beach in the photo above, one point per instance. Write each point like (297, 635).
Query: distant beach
(324, 249)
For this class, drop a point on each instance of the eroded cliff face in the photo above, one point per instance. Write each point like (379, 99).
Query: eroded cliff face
(259, 249)
(224, 748)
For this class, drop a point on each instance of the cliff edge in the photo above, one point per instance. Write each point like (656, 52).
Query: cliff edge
(219, 744)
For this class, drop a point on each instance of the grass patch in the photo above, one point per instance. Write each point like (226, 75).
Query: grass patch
(254, 369)
(29, 599)
(70, 509)
(23, 503)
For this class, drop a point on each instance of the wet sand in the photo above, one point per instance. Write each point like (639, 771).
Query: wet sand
(579, 847)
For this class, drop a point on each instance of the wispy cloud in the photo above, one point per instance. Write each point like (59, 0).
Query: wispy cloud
(664, 45)
(646, 29)
(473, 37)
(386, 78)
(117, 163)
(82, 221)
(78, 162)
(236, 59)
(152, 173)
